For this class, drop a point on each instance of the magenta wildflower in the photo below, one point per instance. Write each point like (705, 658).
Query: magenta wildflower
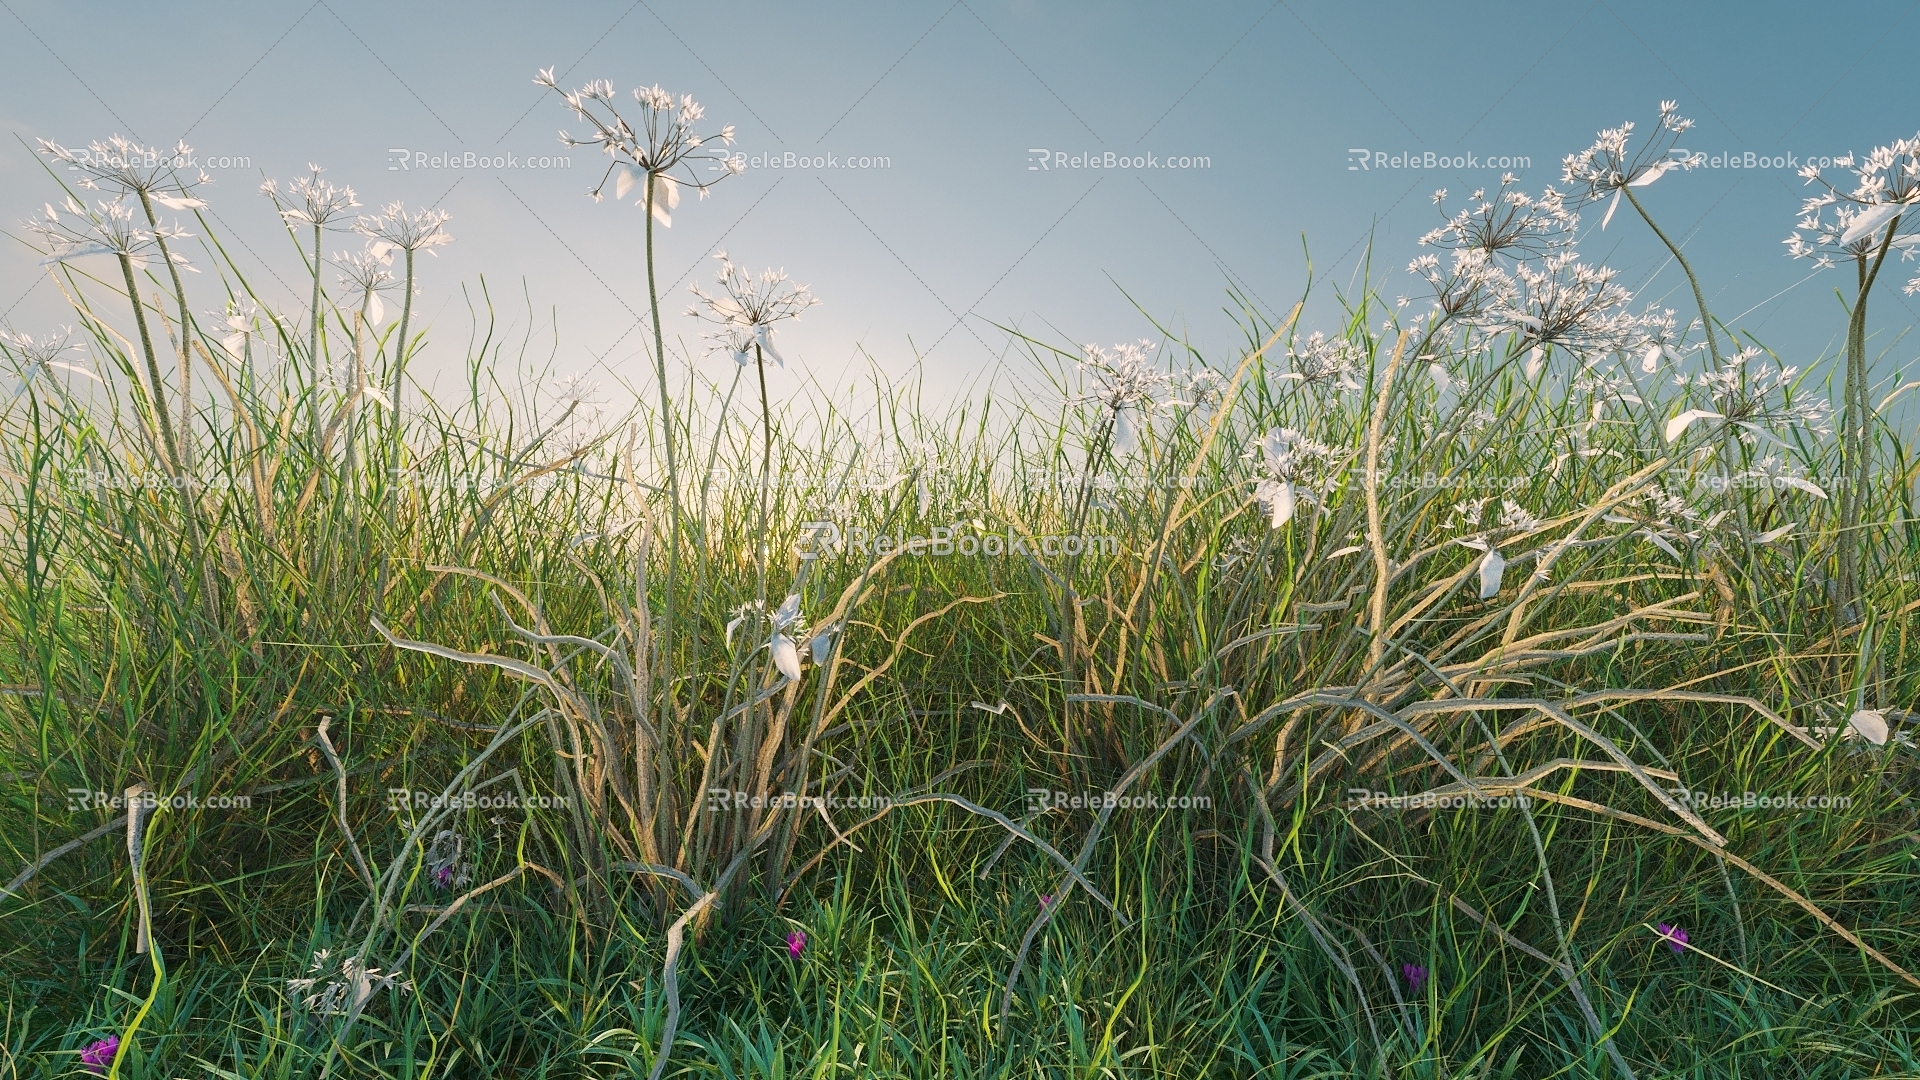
(443, 877)
(1675, 937)
(1415, 975)
(97, 1056)
(796, 943)
(1046, 902)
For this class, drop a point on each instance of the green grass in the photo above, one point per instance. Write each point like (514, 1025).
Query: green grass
(222, 642)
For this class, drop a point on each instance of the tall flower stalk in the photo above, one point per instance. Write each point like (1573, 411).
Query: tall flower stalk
(150, 175)
(313, 203)
(1864, 228)
(661, 151)
(747, 309)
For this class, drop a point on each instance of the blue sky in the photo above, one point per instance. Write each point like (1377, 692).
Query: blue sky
(952, 229)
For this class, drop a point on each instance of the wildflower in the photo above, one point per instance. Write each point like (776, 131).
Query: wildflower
(1125, 384)
(1870, 218)
(446, 868)
(314, 202)
(241, 317)
(663, 143)
(133, 169)
(1743, 398)
(1675, 937)
(109, 229)
(98, 1055)
(796, 943)
(356, 982)
(788, 627)
(1510, 224)
(364, 273)
(1605, 170)
(1415, 975)
(1326, 362)
(1295, 468)
(40, 358)
(396, 229)
(748, 307)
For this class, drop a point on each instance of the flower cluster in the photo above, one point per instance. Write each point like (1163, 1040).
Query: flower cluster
(788, 631)
(1752, 400)
(1294, 468)
(662, 143)
(108, 229)
(326, 991)
(1867, 219)
(1511, 223)
(39, 358)
(747, 308)
(132, 169)
(396, 228)
(447, 866)
(1606, 170)
(1326, 362)
(1125, 382)
(310, 201)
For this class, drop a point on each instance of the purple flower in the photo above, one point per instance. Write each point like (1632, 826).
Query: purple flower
(1046, 902)
(1675, 937)
(97, 1056)
(443, 877)
(1415, 975)
(796, 943)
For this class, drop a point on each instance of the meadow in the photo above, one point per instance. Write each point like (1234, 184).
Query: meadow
(1509, 681)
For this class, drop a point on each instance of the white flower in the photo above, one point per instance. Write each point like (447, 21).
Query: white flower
(39, 358)
(397, 229)
(747, 309)
(1294, 466)
(660, 143)
(314, 202)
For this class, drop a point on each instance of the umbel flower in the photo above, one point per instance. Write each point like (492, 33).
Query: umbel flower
(1510, 224)
(1294, 468)
(1874, 213)
(1326, 362)
(329, 991)
(39, 358)
(128, 168)
(110, 228)
(396, 228)
(310, 201)
(660, 143)
(787, 632)
(1513, 521)
(747, 307)
(1606, 169)
(1125, 383)
(1752, 401)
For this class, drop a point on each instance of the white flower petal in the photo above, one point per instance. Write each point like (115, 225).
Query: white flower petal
(1807, 486)
(1871, 725)
(1611, 207)
(1678, 426)
(376, 310)
(763, 334)
(786, 657)
(623, 178)
(1493, 566)
(1869, 220)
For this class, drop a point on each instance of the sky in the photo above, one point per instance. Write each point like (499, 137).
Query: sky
(929, 169)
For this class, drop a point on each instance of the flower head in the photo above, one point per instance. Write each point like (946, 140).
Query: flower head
(1125, 382)
(128, 168)
(98, 1055)
(796, 943)
(109, 228)
(446, 867)
(747, 307)
(659, 145)
(311, 201)
(397, 229)
(1876, 213)
(40, 357)
(1326, 362)
(1606, 169)
(1294, 468)
(1415, 975)
(1674, 936)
